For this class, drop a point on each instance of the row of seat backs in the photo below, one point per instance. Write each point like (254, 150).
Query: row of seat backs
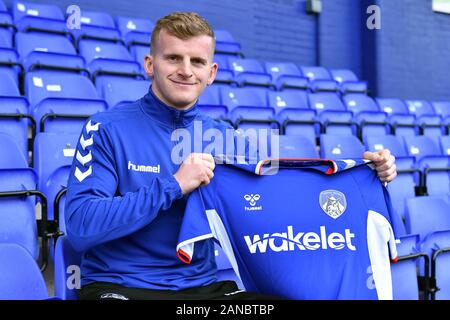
(320, 101)
(78, 24)
(41, 85)
(286, 75)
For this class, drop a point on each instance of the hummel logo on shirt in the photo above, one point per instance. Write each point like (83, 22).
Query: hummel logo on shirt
(143, 168)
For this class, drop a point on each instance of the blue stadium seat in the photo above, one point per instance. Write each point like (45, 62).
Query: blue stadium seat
(319, 79)
(139, 52)
(404, 272)
(225, 75)
(3, 6)
(41, 42)
(110, 58)
(20, 277)
(428, 217)
(224, 269)
(419, 107)
(315, 73)
(340, 147)
(15, 120)
(250, 72)
(366, 113)
(43, 50)
(435, 165)
(403, 123)
(437, 245)
(293, 113)
(425, 215)
(226, 44)
(53, 155)
(421, 147)
(254, 117)
(14, 158)
(96, 25)
(110, 88)
(333, 115)
(66, 270)
(9, 63)
(61, 101)
(302, 122)
(348, 81)
(286, 75)
(135, 30)
(43, 17)
(7, 29)
(22, 9)
(392, 106)
(92, 50)
(429, 122)
(233, 97)
(296, 147)
(9, 85)
(441, 108)
(97, 18)
(17, 221)
(431, 126)
(445, 145)
(247, 107)
(209, 103)
(287, 100)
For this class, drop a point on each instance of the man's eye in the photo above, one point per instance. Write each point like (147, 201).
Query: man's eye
(198, 62)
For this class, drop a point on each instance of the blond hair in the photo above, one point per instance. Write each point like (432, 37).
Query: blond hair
(183, 25)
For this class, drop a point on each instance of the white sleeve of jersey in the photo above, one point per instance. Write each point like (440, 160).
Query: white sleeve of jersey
(381, 246)
(220, 233)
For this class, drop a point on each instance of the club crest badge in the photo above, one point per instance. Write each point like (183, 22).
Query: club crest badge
(333, 203)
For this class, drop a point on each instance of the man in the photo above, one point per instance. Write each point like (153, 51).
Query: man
(126, 194)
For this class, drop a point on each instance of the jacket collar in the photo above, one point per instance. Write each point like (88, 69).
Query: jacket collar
(165, 114)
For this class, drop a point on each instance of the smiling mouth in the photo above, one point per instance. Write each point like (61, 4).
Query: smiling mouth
(183, 83)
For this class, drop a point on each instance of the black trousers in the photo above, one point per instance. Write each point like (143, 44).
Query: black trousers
(222, 290)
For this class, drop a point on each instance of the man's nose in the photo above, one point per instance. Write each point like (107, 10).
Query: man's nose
(185, 69)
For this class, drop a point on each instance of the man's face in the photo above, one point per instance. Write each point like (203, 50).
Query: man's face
(180, 69)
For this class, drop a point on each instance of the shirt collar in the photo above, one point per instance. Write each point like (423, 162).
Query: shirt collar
(165, 114)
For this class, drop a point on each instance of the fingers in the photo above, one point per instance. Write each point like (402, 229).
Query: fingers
(378, 156)
(201, 158)
(209, 174)
(209, 164)
(384, 163)
(388, 174)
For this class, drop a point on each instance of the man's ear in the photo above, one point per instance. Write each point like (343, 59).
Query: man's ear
(148, 65)
(212, 73)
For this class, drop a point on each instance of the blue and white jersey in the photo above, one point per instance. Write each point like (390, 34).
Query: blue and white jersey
(316, 229)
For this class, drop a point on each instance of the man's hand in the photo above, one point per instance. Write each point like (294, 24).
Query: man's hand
(384, 164)
(196, 169)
